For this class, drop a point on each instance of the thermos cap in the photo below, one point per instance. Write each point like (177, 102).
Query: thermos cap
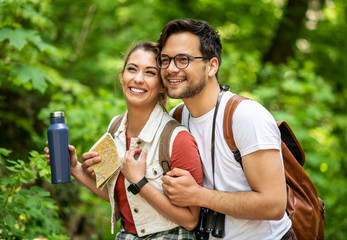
(57, 114)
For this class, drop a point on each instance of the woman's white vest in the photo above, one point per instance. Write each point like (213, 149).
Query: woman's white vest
(147, 220)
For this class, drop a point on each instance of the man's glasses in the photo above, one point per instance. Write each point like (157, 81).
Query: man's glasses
(181, 60)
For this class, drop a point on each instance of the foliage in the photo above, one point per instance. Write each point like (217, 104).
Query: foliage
(64, 55)
(23, 46)
(27, 211)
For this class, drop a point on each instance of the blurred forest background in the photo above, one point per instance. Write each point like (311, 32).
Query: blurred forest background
(289, 55)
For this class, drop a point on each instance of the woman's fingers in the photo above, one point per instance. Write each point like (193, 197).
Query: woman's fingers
(88, 160)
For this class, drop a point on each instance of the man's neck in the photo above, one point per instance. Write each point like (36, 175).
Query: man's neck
(203, 102)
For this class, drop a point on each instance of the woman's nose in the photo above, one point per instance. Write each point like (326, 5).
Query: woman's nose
(139, 77)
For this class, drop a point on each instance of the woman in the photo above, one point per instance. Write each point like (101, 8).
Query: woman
(149, 213)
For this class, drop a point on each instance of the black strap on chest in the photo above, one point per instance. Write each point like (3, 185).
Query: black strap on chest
(213, 134)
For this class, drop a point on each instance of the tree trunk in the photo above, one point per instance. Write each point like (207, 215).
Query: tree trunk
(284, 42)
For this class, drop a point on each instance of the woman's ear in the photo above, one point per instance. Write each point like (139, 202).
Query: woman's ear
(121, 77)
(213, 67)
(162, 89)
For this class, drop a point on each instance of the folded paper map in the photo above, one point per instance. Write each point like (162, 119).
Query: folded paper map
(109, 164)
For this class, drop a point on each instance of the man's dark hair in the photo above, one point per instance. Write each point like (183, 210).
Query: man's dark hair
(210, 45)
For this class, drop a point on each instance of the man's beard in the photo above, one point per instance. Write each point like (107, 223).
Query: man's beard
(190, 91)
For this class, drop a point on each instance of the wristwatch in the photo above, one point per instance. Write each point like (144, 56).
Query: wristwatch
(135, 187)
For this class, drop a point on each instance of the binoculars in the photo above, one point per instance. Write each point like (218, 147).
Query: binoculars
(210, 222)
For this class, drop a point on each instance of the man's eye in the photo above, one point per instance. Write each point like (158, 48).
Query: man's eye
(164, 61)
(182, 59)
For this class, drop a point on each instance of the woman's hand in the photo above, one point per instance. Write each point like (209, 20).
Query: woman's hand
(72, 152)
(88, 159)
(134, 170)
(83, 174)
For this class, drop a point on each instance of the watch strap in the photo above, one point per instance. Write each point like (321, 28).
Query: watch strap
(141, 183)
(135, 188)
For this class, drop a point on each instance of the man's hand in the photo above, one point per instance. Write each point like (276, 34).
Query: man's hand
(134, 170)
(88, 159)
(180, 187)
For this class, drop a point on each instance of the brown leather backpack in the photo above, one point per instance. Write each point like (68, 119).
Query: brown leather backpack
(305, 209)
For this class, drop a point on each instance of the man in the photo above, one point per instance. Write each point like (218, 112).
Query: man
(253, 198)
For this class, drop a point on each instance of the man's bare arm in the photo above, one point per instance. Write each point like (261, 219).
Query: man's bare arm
(266, 201)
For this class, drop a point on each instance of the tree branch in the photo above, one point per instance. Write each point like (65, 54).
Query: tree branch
(85, 30)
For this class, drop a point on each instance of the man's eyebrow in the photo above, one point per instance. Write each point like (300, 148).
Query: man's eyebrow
(181, 53)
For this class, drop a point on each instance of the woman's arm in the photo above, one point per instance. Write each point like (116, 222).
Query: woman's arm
(78, 173)
(186, 217)
(89, 182)
(134, 171)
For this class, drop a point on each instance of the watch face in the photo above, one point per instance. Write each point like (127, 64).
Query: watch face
(133, 188)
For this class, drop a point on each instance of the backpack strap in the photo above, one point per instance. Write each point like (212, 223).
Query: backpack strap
(115, 124)
(228, 123)
(164, 145)
(177, 114)
(292, 143)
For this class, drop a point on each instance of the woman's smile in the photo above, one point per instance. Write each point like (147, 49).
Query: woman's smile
(137, 90)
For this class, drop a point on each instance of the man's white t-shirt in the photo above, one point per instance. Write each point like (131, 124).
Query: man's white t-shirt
(254, 128)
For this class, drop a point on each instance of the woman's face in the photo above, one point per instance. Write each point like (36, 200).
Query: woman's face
(141, 79)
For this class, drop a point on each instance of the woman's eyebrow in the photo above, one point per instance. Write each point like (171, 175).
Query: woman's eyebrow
(152, 67)
(132, 64)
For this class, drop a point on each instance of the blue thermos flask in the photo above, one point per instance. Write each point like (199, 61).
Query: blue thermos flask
(58, 141)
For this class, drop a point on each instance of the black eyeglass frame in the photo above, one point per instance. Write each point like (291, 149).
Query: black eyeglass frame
(174, 58)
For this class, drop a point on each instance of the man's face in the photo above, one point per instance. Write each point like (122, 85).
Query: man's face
(188, 82)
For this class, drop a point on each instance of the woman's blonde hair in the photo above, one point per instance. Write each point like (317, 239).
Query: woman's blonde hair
(148, 47)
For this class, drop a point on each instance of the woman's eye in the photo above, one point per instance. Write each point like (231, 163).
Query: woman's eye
(151, 73)
(131, 69)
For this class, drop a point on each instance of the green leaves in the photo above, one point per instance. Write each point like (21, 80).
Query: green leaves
(10, 220)
(5, 152)
(38, 162)
(25, 73)
(26, 212)
(19, 37)
(16, 37)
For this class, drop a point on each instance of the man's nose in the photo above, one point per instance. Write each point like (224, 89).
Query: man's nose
(172, 67)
